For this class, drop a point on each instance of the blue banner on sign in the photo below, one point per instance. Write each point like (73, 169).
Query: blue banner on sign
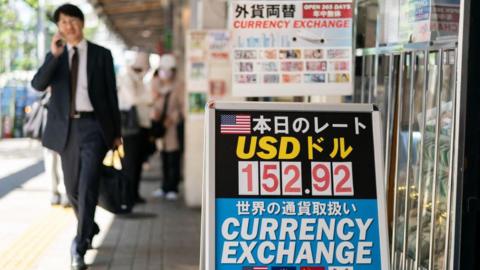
(287, 233)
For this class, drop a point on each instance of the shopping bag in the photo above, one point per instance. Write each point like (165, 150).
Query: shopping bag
(158, 128)
(36, 119)
(115, 187)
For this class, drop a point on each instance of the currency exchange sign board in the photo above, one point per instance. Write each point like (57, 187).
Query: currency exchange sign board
(287, 48)
(295, 186)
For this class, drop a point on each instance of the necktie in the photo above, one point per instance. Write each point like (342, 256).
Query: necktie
(73, 80)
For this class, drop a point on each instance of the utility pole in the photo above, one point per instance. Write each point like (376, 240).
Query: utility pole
(41, 31)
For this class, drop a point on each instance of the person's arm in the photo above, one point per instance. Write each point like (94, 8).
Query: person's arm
(174, 109)
(44, 75)
(112, 92)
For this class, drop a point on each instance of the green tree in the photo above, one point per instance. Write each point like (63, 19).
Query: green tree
(8, 40)
(17, 39)
(32, 3)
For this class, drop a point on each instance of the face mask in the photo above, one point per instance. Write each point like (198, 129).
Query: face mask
(165, 74)
(137, 73)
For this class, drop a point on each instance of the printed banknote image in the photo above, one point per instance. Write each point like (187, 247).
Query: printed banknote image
(313, 53)
(271, 78)
(269, 54)
(246, 78)
(290, 54)
(291, 78)
(314, 78)
(339, 78)
(269, 67)
(316, 65)
(245, 54)
(244, 66)
(338, 53)
(292, 66)
(339, 65)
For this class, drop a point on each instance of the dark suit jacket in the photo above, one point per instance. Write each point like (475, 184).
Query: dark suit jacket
(102, 90)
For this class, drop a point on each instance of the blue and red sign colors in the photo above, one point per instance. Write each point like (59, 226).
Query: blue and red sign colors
(299, 191)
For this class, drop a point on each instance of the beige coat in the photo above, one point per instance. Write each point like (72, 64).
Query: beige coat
(174, 114)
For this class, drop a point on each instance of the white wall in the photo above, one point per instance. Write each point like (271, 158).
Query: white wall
(206, 14)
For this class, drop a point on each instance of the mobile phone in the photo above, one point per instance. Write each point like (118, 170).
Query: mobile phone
(59, 43)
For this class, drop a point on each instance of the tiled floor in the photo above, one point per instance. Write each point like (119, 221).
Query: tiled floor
(33, 235)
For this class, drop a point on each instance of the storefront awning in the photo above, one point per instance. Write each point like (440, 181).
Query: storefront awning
(139, 23)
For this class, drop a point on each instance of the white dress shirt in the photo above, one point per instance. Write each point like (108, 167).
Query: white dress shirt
(82, 99)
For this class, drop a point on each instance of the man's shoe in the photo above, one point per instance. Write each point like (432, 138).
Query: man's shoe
(65, 202)
(77, 262)
(158, 193)
(171, 196)
(140, 200)
(55, 199)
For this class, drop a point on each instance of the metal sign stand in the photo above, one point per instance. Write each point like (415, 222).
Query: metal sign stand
(352, 132)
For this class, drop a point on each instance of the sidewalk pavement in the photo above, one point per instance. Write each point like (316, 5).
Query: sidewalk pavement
(158, 235)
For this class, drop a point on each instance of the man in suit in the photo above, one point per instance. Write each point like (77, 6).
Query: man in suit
(83, 118)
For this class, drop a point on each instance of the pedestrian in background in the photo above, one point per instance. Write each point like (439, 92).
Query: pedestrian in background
(53, 167)
(135, 101)
(168, 100)
(54, 172)
(83, 117)
(36, 120)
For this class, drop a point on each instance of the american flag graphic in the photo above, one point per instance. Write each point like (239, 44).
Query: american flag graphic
(255, 268)
(235, 124)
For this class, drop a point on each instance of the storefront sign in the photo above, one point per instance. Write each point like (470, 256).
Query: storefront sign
(196, 61)
(419, 20)
(207, 67)
(205, 48)
(291, 48)
(294, 186)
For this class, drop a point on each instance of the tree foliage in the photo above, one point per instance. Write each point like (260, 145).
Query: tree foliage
(17, 38)
(32, 3)
(18, 34)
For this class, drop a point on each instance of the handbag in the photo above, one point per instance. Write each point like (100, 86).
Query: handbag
(129, 121)
(115, 187)
(36, 119)
(158, 129)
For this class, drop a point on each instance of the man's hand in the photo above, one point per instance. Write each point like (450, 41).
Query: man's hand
(117, 142)
(154, 115)
(56, 40)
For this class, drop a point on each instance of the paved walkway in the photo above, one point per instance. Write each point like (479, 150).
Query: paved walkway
(158, 235)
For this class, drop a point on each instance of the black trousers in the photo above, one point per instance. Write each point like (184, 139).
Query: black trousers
(133, 160)
(82, 163)
(171, 170)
